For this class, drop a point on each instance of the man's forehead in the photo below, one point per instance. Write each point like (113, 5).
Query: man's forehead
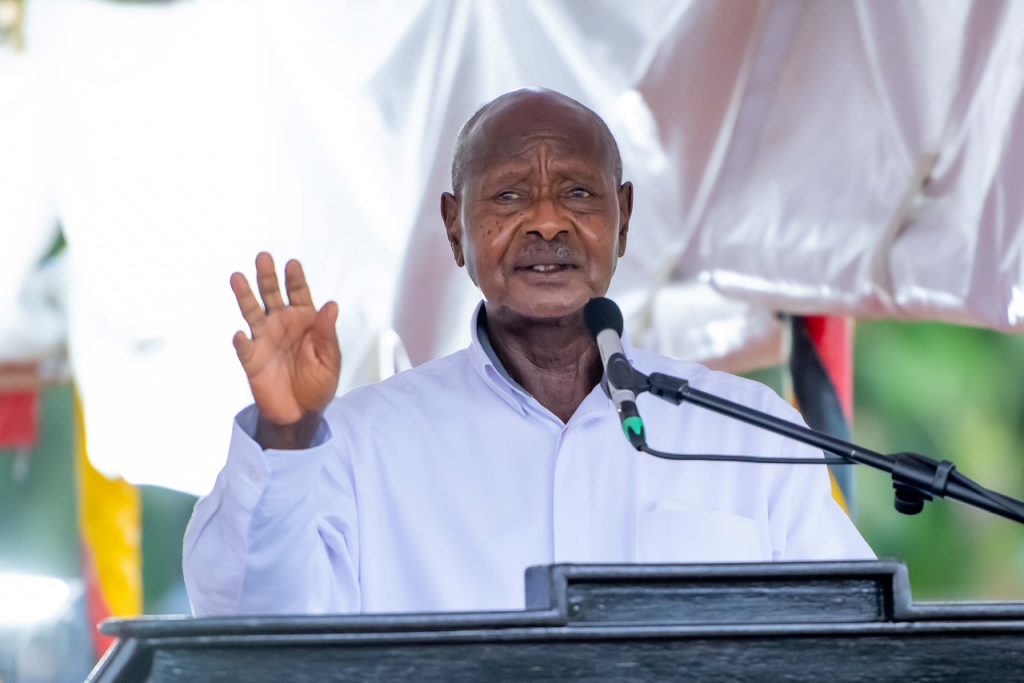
(535, 107)
(511, 130)
(525, 148)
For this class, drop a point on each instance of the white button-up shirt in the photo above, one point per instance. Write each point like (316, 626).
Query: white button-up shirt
(436, 489)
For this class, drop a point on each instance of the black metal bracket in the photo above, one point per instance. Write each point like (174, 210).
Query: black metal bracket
(916, 479)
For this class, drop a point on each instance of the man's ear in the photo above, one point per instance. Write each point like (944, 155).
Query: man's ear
(625, 211)
(453, 226)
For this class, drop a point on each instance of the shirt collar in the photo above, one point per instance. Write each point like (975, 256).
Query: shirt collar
(490, 367)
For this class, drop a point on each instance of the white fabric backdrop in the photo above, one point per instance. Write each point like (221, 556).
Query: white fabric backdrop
(854, 157)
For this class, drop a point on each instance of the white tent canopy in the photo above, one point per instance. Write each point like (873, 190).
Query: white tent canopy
(859, 158)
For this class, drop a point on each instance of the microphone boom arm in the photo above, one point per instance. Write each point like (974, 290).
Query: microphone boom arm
(915, 478)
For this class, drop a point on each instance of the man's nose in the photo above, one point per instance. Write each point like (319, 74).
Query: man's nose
(547, 221)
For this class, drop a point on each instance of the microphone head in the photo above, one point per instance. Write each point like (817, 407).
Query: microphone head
(602, 313)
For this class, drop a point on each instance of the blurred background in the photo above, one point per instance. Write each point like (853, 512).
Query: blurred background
(828, 198)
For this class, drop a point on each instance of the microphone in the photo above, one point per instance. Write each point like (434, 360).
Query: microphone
(604, 321)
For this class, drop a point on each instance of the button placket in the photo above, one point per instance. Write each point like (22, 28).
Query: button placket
(571, 499)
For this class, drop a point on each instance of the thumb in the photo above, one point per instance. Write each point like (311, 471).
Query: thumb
(325, 336)
(244, 346)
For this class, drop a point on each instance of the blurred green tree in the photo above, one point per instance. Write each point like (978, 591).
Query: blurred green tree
(950, 393)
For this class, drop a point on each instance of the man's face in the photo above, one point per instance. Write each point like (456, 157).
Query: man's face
(540, 221)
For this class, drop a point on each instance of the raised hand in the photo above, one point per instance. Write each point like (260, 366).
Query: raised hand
(293, 360)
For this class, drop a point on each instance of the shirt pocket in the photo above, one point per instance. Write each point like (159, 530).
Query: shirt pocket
(674, 532)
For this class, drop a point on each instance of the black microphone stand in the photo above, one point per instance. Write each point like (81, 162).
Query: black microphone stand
(916, 478)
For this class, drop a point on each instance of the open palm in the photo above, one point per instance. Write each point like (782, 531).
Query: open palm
(293, 360)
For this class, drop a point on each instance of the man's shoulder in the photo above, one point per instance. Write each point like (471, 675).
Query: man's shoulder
(441, 375)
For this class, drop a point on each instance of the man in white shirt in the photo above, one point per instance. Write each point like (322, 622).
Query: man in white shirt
(435, 489)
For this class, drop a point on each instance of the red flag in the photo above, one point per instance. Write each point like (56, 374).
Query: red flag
(19, 406)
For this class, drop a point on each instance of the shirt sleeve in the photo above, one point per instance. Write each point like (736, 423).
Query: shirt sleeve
(278, 533)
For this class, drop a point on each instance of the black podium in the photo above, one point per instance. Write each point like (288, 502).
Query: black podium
(838, 621)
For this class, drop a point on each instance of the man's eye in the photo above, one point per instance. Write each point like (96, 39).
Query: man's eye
(508, 195)
(580, 193)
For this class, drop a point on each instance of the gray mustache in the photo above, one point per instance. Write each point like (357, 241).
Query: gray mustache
(553, 252)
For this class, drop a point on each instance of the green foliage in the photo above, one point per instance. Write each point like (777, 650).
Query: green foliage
(950, 393)
(38, 497)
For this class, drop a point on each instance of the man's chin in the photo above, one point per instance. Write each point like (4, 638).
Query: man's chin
(549, 309)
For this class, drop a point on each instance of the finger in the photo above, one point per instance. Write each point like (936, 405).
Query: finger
(244, 346)
(295, 283)
(266, 280)
(247, 303)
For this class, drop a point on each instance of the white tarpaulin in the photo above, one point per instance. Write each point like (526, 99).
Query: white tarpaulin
(875, 167)
(793, 155)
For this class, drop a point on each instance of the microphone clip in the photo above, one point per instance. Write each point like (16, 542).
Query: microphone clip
(622, 375)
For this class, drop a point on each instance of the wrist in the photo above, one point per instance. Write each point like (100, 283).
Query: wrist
(288, 437)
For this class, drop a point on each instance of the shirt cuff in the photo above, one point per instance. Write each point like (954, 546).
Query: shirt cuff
(278, 477)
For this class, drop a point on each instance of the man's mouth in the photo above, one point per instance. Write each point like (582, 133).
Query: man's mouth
(546, 268)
